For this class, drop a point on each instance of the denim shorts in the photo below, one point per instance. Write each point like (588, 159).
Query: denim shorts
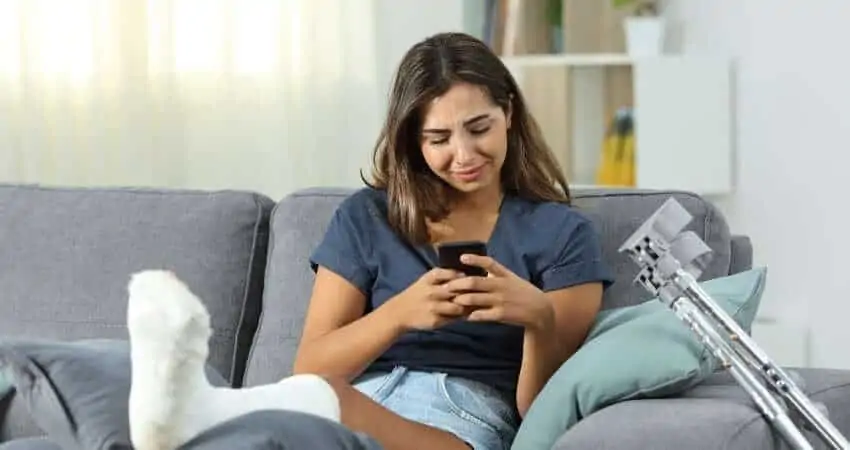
(472, 411)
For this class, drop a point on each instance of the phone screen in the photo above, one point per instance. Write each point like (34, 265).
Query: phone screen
(450, 252)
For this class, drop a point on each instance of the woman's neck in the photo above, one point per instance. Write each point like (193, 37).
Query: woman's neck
(472, 217)
(486, 200)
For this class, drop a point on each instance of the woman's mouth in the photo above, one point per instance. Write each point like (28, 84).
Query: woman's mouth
(469, 174)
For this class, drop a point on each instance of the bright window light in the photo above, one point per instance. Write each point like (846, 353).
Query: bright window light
(199, 27)
(10, 39)
(256, 39)
(60, 36)
(73, 38)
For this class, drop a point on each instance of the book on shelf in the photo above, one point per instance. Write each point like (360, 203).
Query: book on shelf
(520, 27)
(514, 27)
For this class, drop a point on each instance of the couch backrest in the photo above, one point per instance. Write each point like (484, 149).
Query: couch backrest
(66, 256)
(299, 222)
(618, 213)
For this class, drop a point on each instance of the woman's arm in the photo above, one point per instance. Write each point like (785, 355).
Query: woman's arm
(555, 322)
(555, 338)
(338, 340)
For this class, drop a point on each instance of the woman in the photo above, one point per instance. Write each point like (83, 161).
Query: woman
(424, 357)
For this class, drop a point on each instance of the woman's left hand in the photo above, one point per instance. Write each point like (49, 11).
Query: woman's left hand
(502, 296)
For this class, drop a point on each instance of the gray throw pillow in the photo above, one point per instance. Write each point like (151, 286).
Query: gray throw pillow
(76, 392)
(35, 443)
(280, 430)
(5, 385)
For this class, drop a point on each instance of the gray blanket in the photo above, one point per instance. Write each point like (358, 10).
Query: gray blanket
(77, 394)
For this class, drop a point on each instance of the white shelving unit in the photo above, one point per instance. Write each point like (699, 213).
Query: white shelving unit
(682, 108)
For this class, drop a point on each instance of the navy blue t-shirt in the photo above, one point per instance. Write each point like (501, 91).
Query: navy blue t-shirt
(550, 244)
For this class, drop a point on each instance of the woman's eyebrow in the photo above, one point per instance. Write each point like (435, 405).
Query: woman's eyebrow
(467, 122)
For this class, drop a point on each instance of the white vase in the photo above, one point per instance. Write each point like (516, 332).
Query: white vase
(644, 36)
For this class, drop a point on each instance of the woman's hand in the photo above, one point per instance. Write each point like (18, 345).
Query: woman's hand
(502, 296)
(427, 303)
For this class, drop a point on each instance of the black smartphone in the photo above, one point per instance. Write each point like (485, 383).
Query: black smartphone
(449, 255)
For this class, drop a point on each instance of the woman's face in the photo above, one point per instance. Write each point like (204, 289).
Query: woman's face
(464, 138)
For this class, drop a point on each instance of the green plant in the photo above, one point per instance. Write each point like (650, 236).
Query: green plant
(554, 12)
(640, 7)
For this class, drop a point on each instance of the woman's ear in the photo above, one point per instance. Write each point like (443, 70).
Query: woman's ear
(509, 112)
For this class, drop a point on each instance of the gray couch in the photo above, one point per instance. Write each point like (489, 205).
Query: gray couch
(67, 254)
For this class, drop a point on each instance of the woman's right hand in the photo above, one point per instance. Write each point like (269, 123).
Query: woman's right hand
(426, 304)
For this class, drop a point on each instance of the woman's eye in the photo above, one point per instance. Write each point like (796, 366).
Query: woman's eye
(480, 130)
(439, 141)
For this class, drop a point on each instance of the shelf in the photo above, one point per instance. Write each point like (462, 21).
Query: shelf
(565, 59)
(682, 107)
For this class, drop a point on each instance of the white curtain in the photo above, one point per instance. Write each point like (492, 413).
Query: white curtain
(270, 95)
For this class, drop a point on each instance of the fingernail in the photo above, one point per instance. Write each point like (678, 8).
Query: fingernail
(464, 258)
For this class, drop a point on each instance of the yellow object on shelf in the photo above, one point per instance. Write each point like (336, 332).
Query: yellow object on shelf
(617, 164)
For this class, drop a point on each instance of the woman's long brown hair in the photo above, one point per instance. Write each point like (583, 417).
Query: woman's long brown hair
(427, 71)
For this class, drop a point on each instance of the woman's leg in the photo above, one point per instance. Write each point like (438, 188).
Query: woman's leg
(393, 432)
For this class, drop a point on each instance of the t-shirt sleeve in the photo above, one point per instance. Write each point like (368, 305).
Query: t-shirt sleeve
(576, 259)
(344, 249)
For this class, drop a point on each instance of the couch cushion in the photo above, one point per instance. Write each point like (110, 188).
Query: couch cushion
(668, 424)
(717, 414)
(297, 225)
(299, 222)
(68, 255)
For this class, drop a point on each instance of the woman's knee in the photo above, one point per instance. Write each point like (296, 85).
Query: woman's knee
(348, 396)
(336, 382)
(314, 394)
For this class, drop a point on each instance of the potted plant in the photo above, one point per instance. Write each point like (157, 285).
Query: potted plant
(644, 27)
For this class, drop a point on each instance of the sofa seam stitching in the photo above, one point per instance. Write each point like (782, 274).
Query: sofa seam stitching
(827, 389)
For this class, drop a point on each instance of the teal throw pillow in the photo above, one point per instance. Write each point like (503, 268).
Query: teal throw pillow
(641, 351)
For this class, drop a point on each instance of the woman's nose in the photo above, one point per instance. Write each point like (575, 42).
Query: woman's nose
(464, 150)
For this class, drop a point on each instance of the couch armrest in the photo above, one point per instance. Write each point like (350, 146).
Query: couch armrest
(742, 254)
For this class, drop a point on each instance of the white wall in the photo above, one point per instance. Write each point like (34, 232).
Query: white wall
(793, 129)
(402, 23)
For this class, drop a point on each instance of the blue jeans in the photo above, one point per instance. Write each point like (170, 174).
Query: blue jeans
(472, 411)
